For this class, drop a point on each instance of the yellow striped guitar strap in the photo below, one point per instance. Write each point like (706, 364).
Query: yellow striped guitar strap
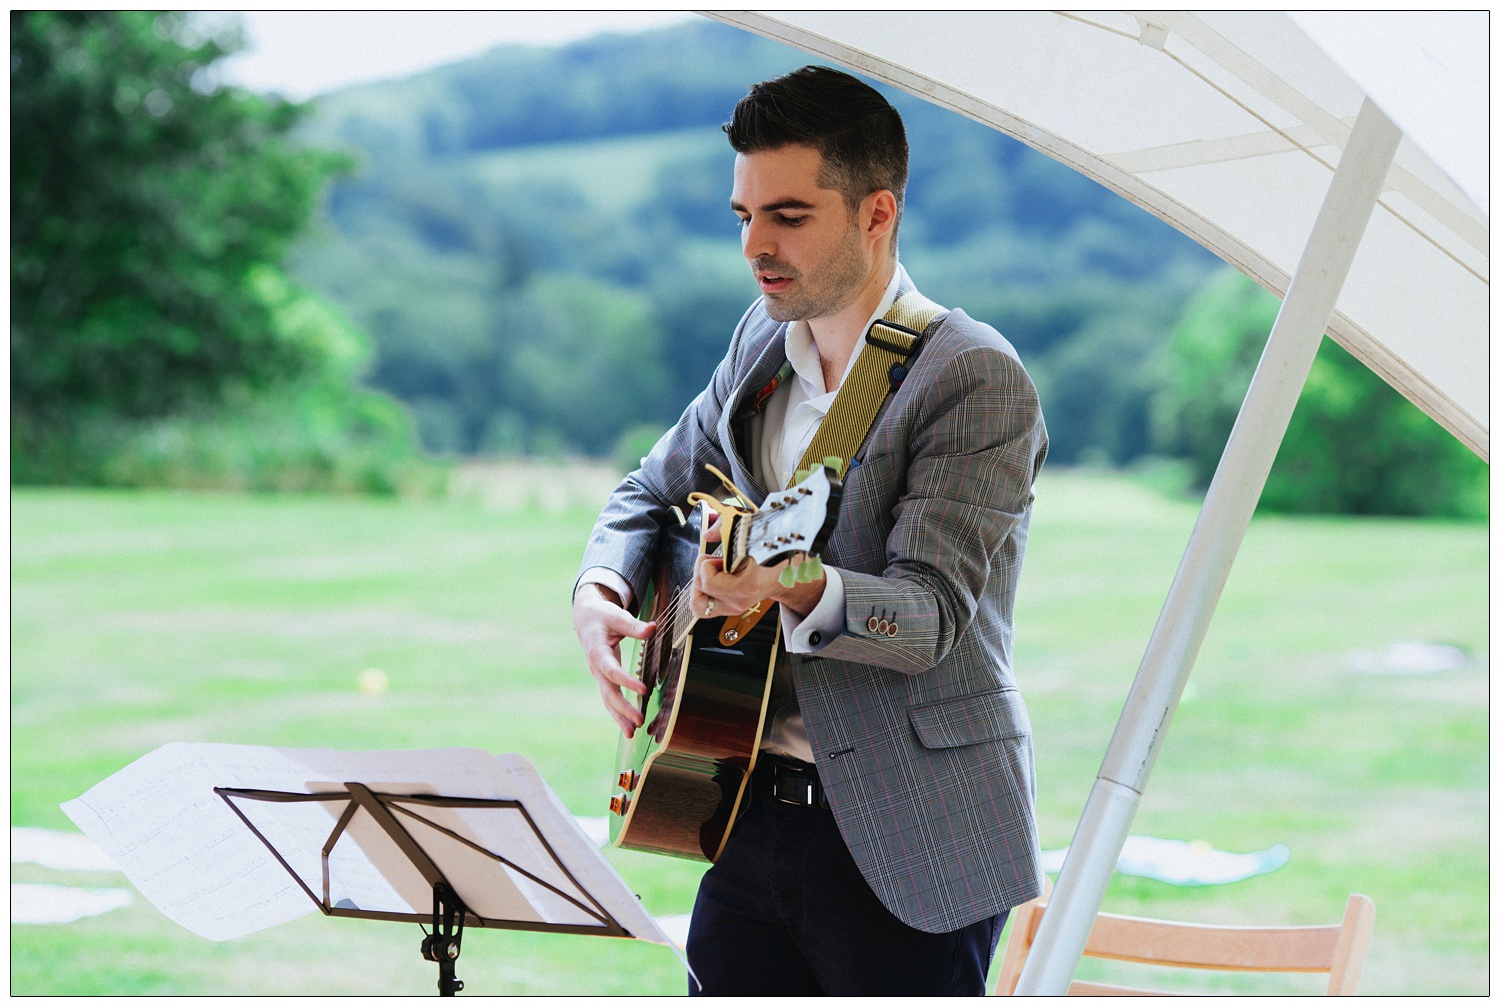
(880, 369)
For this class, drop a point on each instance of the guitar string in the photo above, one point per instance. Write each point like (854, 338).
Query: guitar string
(683, 598)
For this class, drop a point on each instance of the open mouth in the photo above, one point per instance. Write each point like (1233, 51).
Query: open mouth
(770, 283)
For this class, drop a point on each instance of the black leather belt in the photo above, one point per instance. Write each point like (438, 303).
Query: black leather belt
(793, 782)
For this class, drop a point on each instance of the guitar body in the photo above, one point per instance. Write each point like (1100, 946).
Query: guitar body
(682, 777)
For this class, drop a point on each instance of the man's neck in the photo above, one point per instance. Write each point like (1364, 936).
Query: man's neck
(836, 335)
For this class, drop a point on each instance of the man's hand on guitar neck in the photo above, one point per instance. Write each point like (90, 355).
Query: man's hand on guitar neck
(738, 592)
(600, 623)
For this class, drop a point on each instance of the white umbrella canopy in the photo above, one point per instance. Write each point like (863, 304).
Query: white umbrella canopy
(1229, 125)
(1339, 159)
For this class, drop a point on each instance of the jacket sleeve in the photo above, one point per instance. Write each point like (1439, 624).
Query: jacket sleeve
(975, 444)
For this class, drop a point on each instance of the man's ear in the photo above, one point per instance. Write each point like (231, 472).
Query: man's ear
(877, 213)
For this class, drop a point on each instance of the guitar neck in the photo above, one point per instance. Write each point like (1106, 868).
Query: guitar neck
(737, 542)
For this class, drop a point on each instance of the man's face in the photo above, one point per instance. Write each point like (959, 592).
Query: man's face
(803, 245)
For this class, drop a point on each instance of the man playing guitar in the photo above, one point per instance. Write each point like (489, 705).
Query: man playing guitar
(890, 825)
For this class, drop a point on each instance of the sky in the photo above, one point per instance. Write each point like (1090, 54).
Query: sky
(299, 54)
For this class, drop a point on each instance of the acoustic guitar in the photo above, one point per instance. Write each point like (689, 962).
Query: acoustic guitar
(683, 774)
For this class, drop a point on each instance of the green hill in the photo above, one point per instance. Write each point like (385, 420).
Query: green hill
(618, 171)
(503, 202)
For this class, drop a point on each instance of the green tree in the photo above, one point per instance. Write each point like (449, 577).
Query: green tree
(320, 431)
(145, 201)
(1094, 390)
(1207, 369)
(1353, 446)
(582, 361)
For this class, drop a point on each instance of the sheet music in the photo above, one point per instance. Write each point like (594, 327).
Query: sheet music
(187, 851)
(183, 849)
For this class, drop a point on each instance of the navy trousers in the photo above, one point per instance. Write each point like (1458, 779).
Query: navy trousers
(785, 911)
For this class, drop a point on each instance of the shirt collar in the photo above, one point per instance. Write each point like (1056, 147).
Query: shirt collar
(802, 352)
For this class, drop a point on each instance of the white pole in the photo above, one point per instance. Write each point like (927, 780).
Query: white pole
(1190, 604)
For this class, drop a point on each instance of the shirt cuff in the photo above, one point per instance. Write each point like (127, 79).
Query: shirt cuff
(809, 634)
(605, 577)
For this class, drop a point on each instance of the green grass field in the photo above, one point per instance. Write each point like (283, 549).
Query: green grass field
(144, 618)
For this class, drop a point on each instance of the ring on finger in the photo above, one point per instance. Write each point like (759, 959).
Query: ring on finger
(709, 610)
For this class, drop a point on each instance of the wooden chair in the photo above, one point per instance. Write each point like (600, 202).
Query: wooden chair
(1337, 949)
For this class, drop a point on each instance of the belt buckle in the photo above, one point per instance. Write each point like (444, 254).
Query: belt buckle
(807, 799)
(794, 787)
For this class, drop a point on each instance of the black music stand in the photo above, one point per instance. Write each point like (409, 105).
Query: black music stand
(399, 846)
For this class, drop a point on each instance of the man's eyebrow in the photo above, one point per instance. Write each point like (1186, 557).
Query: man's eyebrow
(780, 204)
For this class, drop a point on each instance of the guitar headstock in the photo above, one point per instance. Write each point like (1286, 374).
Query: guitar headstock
(798, 520)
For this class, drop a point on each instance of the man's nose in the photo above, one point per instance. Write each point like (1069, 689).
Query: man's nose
(757, 241)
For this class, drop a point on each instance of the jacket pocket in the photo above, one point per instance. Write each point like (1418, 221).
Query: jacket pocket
(969, 720)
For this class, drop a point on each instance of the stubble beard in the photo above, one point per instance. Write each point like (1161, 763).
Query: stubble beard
(825, 292)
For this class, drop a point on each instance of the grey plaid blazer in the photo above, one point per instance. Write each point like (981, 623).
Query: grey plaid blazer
(921, 738)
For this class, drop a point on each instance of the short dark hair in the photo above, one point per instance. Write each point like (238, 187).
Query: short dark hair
(846, 120)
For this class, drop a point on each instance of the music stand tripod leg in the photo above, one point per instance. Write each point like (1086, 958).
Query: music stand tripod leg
(442, 945)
